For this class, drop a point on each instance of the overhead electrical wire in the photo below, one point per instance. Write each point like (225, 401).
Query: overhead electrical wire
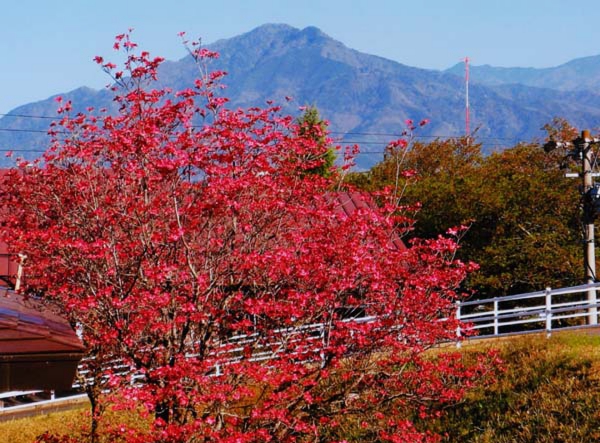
(30, 116)
(362, 142)
(381, 134)
(336, 140)
(376, 134)
(40, 131)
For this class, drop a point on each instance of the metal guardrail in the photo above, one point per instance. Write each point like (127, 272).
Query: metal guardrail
(541, 311)
(43, 407)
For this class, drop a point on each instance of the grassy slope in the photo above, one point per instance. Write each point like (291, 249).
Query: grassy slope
(549, 392)
(26, 430)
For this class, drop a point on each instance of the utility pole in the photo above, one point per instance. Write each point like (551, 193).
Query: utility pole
(589, 213)
(582, 150)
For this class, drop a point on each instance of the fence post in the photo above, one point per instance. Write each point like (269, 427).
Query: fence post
(458, 332)
(496, 326)
(592, 301)
(548, 312)
(323, 345)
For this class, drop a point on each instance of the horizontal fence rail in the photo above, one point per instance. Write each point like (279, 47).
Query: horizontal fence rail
(541, 311)
(548, 310)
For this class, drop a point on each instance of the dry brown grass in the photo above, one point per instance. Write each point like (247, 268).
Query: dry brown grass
(549, 392)
(25, 430)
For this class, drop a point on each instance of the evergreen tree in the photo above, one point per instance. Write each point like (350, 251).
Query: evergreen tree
(312, 127)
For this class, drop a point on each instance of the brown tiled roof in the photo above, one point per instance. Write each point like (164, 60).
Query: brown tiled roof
(38, 347)
(349, 202)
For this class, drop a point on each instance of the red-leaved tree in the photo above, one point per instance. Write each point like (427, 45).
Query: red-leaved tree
(194, 247)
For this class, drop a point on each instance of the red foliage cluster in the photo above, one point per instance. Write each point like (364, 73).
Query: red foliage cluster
(190, 243)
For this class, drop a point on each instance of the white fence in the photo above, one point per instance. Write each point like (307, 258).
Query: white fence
(549, 310)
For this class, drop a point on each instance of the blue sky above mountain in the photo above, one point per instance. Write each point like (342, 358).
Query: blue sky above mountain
(49, 45)
(366, 98)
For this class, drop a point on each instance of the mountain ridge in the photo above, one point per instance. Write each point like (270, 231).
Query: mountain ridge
(357, 92)
(578, 74)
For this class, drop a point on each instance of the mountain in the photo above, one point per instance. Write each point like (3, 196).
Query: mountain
(579, 74)
(363, 96)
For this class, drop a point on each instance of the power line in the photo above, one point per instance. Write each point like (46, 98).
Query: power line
(30, 116)
(40, 131)
(357, 142)
(376, 134)
(41, 151)
(420, 136)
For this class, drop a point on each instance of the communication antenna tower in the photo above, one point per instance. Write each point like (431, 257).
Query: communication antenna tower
(467, 113)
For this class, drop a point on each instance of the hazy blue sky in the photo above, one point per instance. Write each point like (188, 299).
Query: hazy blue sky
(47, 46)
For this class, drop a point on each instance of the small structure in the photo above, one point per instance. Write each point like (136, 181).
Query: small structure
(9, 268)
(38, 348)
(349, 202)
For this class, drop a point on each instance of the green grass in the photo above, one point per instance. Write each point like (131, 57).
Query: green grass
(548, 392)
